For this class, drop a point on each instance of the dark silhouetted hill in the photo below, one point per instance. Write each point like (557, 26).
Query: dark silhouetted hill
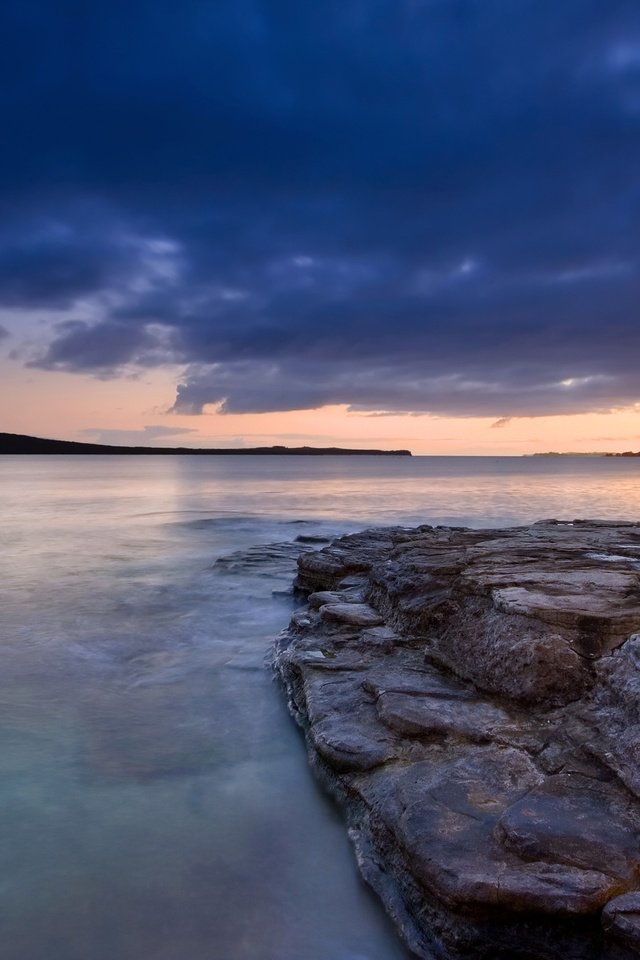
(15, 443)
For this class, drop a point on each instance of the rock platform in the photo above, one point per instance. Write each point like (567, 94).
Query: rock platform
(471, 698)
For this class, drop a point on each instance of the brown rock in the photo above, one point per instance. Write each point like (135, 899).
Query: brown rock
(578, 821)
(479, 719)
(422, 716)
(442, 817)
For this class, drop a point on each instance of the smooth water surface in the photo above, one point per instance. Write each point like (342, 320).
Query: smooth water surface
(155, 800)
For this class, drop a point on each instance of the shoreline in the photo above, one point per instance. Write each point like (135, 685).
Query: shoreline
(469, 698)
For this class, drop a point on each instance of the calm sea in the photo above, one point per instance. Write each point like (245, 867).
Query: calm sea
(155, 801)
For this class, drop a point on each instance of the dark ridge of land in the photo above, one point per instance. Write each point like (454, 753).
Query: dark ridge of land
(595, 453)
(572, 453)
(15, 443)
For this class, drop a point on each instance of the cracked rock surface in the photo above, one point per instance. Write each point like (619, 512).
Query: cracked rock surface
(472, 700)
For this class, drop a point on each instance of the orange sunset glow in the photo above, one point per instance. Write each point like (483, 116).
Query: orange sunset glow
(70, 407)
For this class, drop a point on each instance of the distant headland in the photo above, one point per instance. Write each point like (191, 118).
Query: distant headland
(595, 453)
(15, 443)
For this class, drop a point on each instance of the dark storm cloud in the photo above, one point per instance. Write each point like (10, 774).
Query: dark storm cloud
(401, 206)
(102, 348)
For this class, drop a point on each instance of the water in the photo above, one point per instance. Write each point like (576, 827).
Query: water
(155, 800)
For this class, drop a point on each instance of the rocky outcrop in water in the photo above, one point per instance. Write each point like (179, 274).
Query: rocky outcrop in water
(472, 700)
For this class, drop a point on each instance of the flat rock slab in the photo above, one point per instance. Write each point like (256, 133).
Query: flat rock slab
(347, 746)
(323, 597)
(357, 614)
(443, 817)
(600, 606)
(575, 820)
(424, 716)
(472, 698)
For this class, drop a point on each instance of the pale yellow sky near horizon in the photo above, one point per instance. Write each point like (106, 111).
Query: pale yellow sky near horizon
(78, 407)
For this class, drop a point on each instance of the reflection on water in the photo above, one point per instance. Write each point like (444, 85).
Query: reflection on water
(155, 799)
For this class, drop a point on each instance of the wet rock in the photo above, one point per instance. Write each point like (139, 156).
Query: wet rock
(442, 816)
(600, 607)
(357, 614)
(382, 637)
(472, 698)
(322, 597)
(264, 558)
(347, 556)
(621, 921)
(510, 655)
(347, 595)
(575, 820)
(617, 712)
(424, 716)
(345, 746)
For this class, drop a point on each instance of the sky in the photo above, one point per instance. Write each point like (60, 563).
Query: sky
(390, 223)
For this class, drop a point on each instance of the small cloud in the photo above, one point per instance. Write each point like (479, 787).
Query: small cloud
(354, 412)
(610, 439)
(625, 56)
(502, 422)
(144, 436)
(4, 333)
(468, 265)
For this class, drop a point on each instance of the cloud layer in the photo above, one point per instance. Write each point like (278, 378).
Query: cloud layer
(403, 205)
